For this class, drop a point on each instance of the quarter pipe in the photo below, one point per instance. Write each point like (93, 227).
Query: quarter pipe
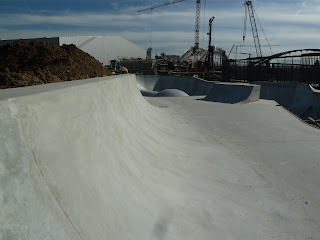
(94, 159)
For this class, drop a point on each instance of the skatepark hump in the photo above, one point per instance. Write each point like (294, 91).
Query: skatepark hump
(94, 159)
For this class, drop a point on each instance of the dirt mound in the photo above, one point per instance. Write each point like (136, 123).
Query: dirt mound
(25, 63)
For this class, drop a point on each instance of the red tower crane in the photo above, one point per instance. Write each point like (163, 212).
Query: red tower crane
(196, 39)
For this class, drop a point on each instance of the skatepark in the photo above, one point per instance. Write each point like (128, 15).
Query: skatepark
(159, 157)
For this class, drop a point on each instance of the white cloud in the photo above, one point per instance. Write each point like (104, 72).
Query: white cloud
(173, 32)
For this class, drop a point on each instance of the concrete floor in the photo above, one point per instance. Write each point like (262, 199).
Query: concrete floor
(94, 159)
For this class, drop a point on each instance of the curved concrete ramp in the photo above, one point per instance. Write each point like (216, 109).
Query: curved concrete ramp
(233, 93)
(164, 93)
(171, 93)
(190, 85)
(93, 160)
(301, 99)
(147, 93)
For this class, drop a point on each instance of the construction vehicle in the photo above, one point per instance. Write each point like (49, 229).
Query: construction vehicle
(117, 68)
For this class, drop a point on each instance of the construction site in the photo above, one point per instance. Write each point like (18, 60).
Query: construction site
(101, 140)
(214, 63)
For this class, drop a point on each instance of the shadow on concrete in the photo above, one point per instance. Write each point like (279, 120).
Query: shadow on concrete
(233, 93)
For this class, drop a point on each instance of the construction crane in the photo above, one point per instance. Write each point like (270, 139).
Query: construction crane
(160, 5)
(210, 48)
(249, 9)
(237, 46)
(197, 28)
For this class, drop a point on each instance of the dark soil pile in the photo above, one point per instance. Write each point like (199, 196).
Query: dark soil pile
(25, 63)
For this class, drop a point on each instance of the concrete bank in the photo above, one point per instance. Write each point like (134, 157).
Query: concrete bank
(301, 99)
(233, 93)
(214, 91)
(190, 85)
(93, 160)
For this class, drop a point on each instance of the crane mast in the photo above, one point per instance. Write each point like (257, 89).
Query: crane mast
(210, 48)
(197, 29)
(254, 28)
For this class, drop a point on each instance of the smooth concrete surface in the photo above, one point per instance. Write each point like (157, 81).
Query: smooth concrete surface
(171, 93)
(233, 93)
(301, 99)
(147, 93)
(94, 159)
(175, 86)
(191, 85)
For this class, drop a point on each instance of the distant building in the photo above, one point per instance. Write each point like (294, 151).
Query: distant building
(149, 53)
(103, 48)
(173, 57)
(168, 57)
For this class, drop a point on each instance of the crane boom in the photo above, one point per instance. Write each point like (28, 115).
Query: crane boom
(197, 29)
(161, 5)
(197, 26)
(254, 28)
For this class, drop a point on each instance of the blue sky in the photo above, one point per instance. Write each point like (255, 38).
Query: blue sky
(291, 24)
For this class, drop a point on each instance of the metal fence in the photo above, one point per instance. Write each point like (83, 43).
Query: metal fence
(303, 68)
